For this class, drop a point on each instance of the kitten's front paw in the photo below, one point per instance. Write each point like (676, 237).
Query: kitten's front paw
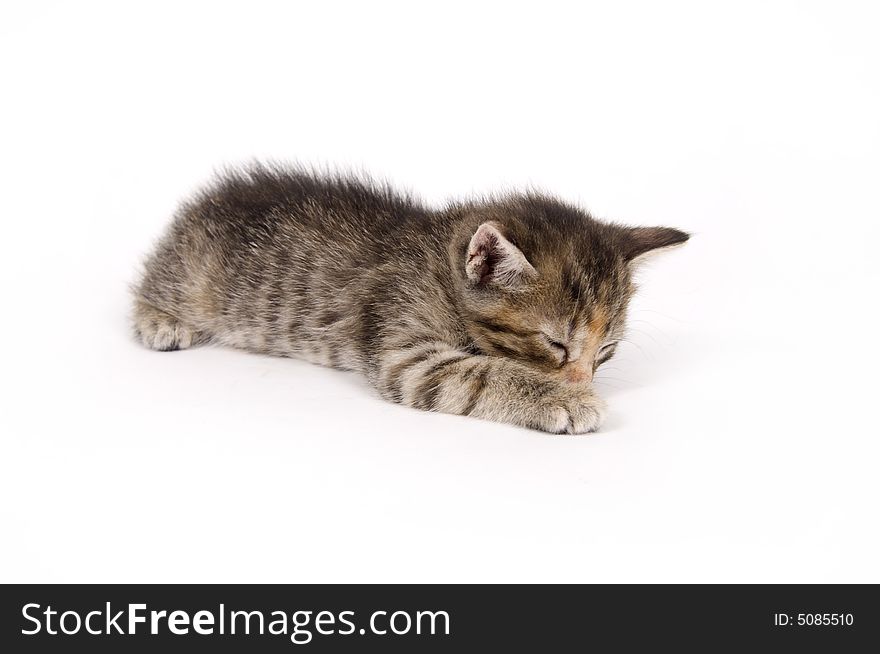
(573, 410)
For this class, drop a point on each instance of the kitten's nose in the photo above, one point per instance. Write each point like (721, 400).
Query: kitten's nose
(578, 374)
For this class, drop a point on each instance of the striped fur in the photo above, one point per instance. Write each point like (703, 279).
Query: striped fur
(498, 308)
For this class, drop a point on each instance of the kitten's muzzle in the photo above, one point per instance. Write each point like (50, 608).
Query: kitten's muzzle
(578, 372)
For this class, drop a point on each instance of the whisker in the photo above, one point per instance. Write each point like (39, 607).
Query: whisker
(679, 320)
(614, 386)
(638, 347)
(653, 326)
(648, 335)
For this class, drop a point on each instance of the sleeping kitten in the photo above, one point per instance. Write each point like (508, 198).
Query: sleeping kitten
(499, 309)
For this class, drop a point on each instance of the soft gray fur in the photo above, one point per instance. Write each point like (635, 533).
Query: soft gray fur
(499, 309)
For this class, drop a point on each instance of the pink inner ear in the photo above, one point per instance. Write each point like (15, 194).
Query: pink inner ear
(480, 254)
(491, 256)
(484, 253)
(484, 240)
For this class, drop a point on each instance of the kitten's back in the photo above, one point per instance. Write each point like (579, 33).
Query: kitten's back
(275, 260)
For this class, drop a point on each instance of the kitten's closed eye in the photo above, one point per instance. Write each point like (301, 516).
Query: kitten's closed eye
(604, 353)
(560, 351)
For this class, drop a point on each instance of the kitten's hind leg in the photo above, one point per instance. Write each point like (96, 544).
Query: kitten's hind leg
(161, 331)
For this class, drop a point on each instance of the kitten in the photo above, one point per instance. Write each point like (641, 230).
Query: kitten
(499, 309)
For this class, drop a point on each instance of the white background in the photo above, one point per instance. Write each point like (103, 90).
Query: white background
(742, 441)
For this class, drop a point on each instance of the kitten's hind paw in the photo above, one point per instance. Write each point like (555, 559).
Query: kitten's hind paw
(161, 331)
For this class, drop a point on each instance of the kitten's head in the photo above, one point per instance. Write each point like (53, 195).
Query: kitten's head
(544, 283)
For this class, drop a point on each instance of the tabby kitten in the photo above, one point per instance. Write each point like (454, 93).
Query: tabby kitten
(499, 309)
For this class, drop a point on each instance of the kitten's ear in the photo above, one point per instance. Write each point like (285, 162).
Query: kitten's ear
(492, 260)
(642, 242)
